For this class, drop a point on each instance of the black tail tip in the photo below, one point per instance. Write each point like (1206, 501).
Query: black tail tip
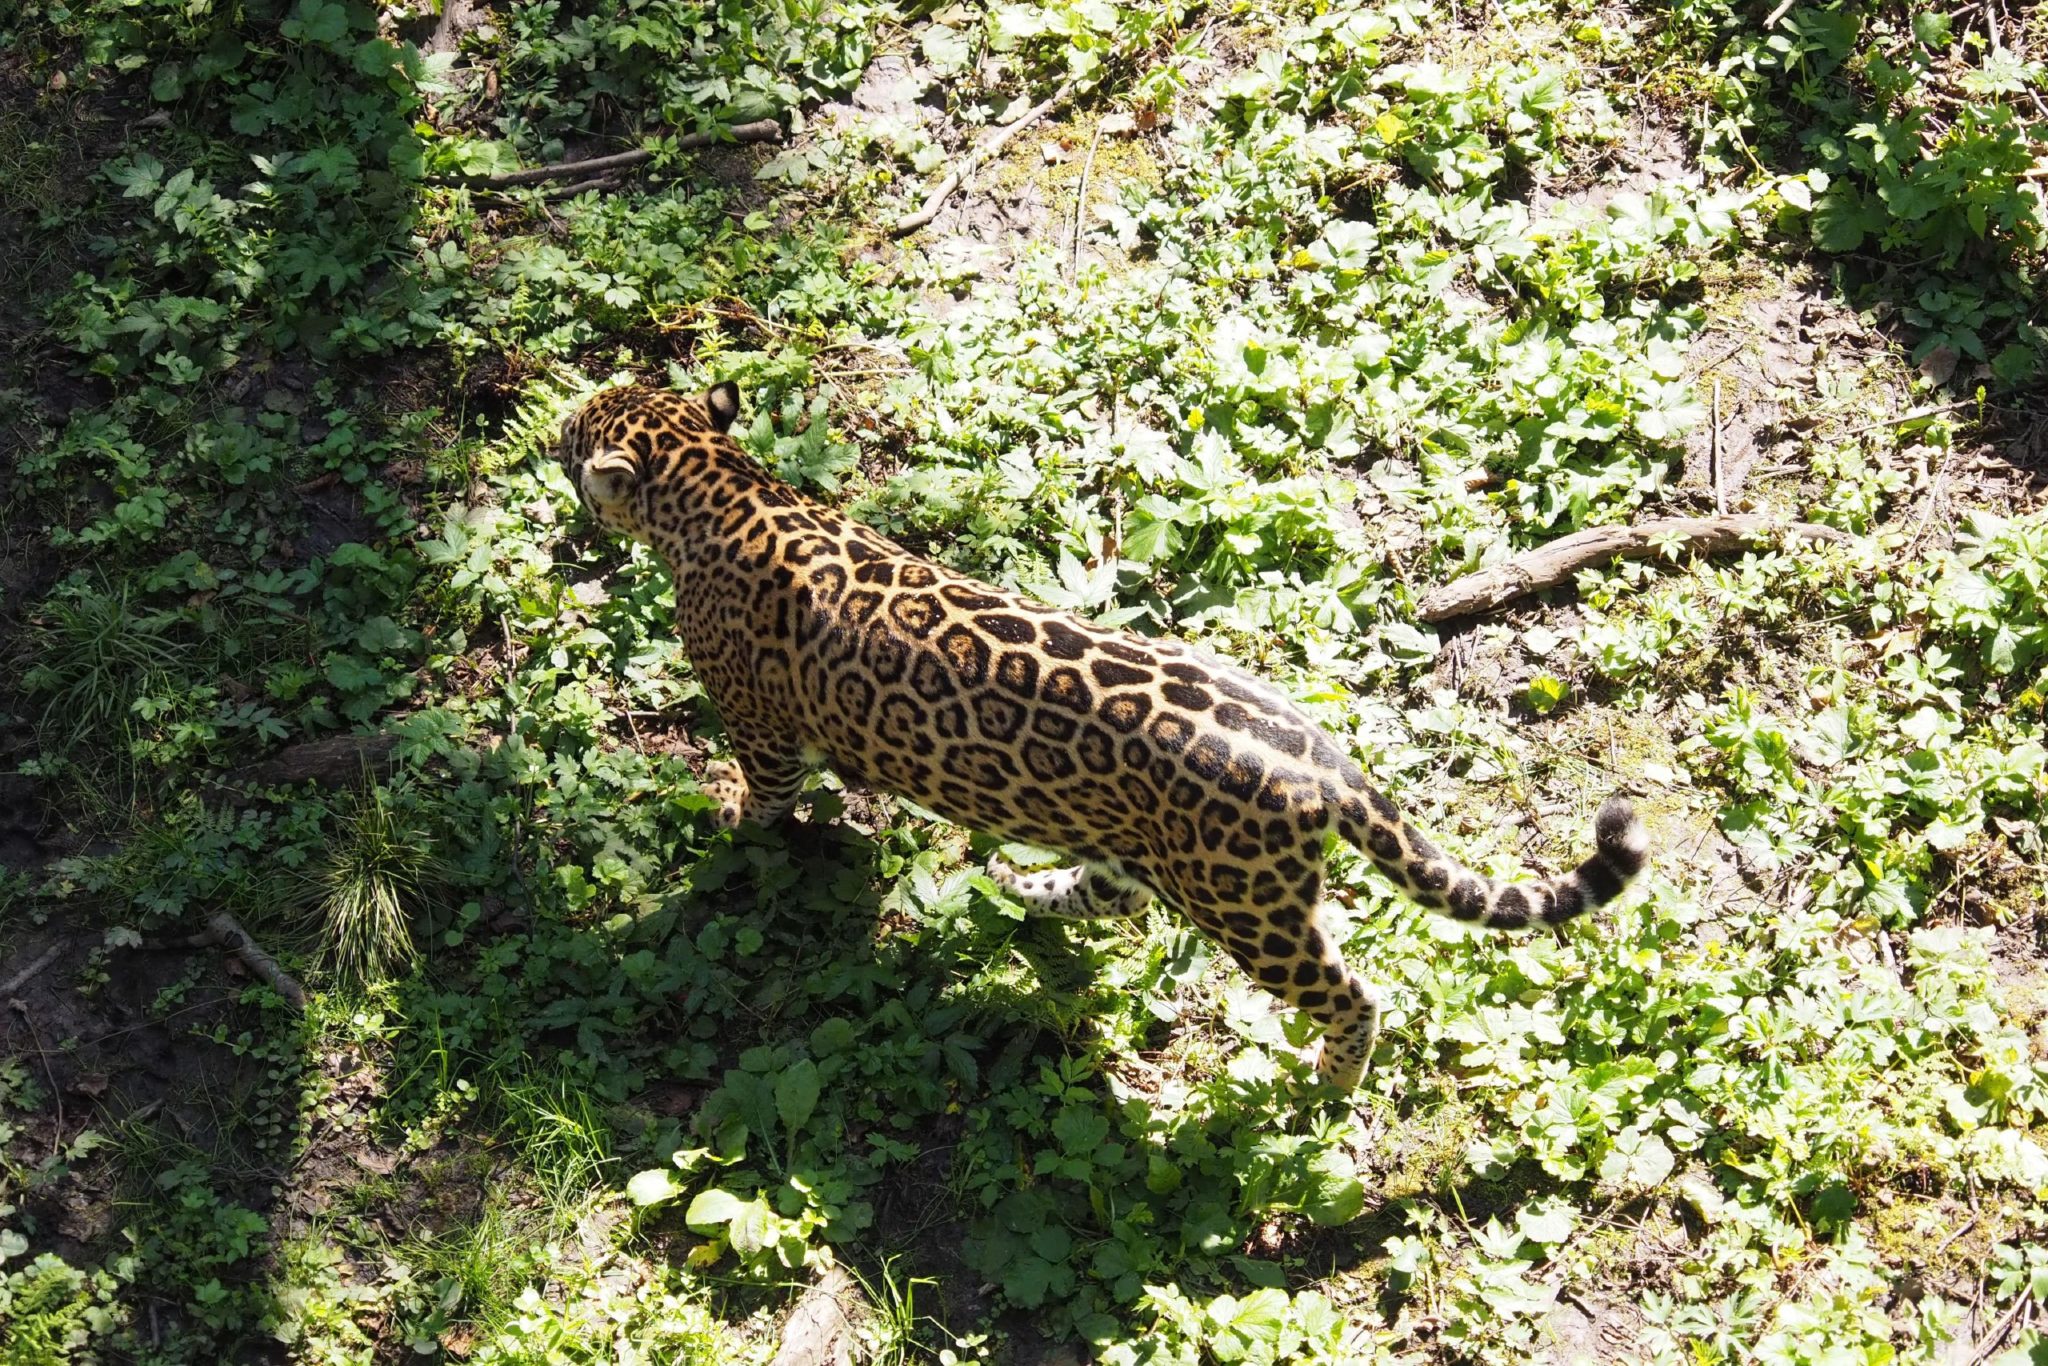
(1619, 835)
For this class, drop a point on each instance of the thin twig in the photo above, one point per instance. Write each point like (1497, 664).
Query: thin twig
(1714, 453)
(986, 149)
(48, 956)
(1081, 200)
(2001, 1328)
(1776, 15)
(43, 1057)
(1935, 1256)
(764, 130)
(1913, 416)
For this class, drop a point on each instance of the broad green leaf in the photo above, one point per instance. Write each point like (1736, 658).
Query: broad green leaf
(796, 1094)
(713, 1207)
(1080, 1131)
(652, 1187)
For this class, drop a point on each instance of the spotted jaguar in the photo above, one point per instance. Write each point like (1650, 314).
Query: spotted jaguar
(1158, 769)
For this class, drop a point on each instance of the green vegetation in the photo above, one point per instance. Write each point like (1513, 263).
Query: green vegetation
(302, 626)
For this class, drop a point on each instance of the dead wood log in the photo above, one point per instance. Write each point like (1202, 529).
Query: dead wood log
(764, 130)
(332, 761)
(820, 1329)
(1549, 565)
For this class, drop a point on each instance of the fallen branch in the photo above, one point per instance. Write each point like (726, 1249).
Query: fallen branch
(765, 130)
(224, 931)
(987, 148)
(43, 960)
(1556, 563)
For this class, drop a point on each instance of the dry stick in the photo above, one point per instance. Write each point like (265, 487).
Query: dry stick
(1081, 200)
(47, 957)
(1776, 15)
(224, 931)
(43, 1056)
(1935, 1256)
(1714, 453)
(765, 130)
(1556, 563)
(988, 147)
(1913, 416)
(596, 182)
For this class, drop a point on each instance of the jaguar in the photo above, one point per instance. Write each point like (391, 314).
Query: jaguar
(1158, 769)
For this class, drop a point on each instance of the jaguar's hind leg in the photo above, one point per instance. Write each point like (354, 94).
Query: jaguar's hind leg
(1087, 891)
(1283, 944)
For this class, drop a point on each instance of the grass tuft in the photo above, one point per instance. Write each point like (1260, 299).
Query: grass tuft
(373, 877)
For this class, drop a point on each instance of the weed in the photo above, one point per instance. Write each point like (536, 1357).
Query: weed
(368, 884)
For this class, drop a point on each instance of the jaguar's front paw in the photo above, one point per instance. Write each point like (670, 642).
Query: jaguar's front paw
(728, 786)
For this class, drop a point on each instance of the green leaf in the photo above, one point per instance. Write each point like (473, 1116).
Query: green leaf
(380, 634)
(834, 1036)
(1080, 1131)
(796, 1094)
(318, 21)
(1027, 1280)
(1842, 219)
(714, 1207)
(652, 1187)
(1338, 1199)
(1835, 1204)
(1933, 28)
(1638, 1160)
(1052, 1243)
(1408, 644)
(1548, 1225)
(351, 674)
(947, 50)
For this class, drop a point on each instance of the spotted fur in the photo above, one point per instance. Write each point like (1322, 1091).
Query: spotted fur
(1158, 768)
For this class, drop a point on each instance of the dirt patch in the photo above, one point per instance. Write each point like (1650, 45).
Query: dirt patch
(1584, 1332)
(334, 518)
(1652, 154)
(114, 1040)
(1760, 370)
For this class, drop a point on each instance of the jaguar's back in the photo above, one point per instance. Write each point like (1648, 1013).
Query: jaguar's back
(1162, 769)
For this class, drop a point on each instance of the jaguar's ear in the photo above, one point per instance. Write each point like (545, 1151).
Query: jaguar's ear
(723, 403)
(609, 479)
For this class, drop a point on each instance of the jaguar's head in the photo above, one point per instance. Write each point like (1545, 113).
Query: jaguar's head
(624, 445)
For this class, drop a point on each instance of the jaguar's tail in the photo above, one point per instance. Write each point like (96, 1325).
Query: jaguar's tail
(1431, 879)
